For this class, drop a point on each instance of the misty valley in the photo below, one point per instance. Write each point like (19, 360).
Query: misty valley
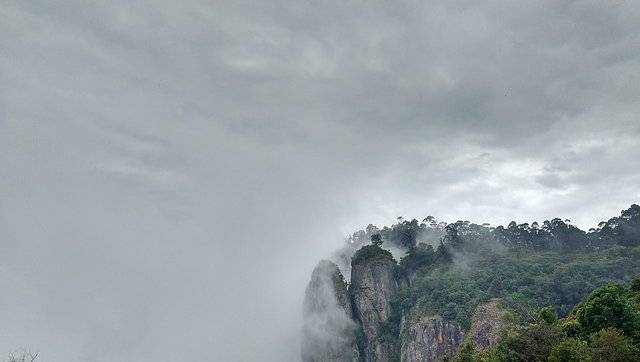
(432, 291)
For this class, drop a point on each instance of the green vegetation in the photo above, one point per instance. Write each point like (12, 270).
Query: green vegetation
(371, 252)
(604, 328)
(610, 306)
(525, 281)
(542, 272)
(610, 344)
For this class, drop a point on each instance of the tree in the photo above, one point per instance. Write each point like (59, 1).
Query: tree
(549, 315)
(609, 306)
(442, 254)
(532, 343)
(570, 350)
(452, 238)
(371, 229)
(466, 353)
(611, 345)
(376, 239)
(23, 356)
(635, 285)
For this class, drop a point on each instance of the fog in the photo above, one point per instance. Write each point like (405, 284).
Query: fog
(172, 171)
(328, 332)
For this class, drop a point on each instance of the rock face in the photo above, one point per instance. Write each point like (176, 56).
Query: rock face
(430, 338)
(373, 286)
(487, 322)
(328, 333)
(344, 324)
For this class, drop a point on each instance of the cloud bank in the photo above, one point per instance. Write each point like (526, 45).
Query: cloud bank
(173, 171)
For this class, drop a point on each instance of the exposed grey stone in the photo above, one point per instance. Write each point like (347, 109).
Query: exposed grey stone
(329, 333)
(430, 338)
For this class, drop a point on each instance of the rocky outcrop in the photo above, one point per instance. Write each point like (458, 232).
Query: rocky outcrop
(486, 324)
(329, 333)
(344, 324)
(373, 286)
(430, 338)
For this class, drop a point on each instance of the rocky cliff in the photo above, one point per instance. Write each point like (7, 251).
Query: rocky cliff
(430, 338)
(353, 322)
(372, 288)
(329, 333)
(486, 324)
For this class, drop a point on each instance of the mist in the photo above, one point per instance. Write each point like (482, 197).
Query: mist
(328, 332)
(171, 173)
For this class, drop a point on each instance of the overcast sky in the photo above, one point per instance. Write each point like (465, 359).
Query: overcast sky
(172, 170)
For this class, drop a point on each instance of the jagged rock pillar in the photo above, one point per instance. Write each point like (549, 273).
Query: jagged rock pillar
(329, 333)
(372, 288)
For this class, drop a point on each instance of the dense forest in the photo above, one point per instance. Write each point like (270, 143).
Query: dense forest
(568, 294)
(605, 326)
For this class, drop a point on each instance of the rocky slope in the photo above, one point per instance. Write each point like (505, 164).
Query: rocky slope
(486, 324)
(329, 332)
(430, 338)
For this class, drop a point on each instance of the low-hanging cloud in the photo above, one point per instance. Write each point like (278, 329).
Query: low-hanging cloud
(172, 172)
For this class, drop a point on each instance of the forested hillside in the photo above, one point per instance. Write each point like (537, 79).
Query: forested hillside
(605, 326)
(446, 273)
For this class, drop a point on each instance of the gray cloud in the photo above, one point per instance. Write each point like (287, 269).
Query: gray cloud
(173, 171)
